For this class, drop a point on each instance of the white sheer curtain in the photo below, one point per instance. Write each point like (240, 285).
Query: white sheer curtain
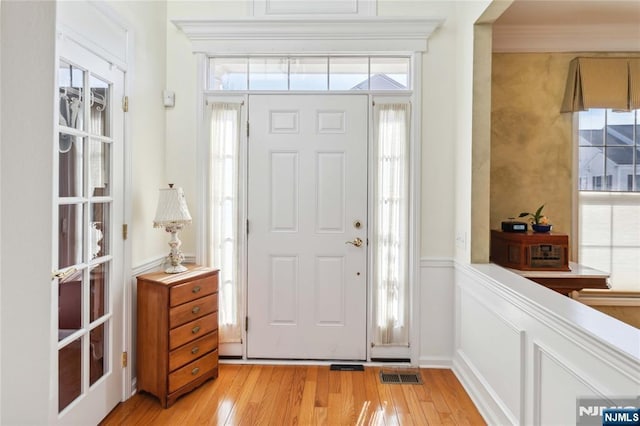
(223, 220)
(391, 217)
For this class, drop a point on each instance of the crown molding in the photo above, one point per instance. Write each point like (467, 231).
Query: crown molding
(259, 35)
(566, 38)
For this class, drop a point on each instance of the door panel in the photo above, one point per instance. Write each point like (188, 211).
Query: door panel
(88, 263)
(307, 187)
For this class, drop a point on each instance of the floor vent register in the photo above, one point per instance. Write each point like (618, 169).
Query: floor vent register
(400, 378)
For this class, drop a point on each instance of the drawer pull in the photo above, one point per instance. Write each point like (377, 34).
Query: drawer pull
(195, 350)
(195, 310)
(195, 329)
(196, 289)
(195, 371)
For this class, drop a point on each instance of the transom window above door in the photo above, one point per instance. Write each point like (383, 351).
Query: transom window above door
(312, 73)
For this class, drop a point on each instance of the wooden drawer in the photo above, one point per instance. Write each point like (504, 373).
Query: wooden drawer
(177, 331)
(192, 310)
(192, 371)
(193, 350)
(187, 292)
(192, 330)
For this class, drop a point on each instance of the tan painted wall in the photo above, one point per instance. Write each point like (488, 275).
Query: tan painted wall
(531, 141)
(532, 144)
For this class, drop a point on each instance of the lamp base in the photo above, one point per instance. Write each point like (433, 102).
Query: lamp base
(175, 269)
(175, 256)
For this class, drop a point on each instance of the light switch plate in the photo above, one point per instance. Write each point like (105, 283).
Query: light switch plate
(168, 98)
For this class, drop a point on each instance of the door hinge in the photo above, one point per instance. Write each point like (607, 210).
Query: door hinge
(125, 359)
(125, 231)
(247, 226)
(246, 324)
(247, 129)
(125, 104)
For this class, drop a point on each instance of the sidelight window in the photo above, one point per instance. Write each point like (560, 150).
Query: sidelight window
(223, 217)
(391, 223)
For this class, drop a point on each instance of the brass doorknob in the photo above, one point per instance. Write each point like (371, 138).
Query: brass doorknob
(357, 242)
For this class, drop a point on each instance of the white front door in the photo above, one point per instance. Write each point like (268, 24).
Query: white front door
(88, 260)
(307, 210)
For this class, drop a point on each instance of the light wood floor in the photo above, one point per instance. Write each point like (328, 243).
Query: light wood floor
(307, 395)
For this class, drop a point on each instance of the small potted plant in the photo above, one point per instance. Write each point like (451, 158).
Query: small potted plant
(539, 223)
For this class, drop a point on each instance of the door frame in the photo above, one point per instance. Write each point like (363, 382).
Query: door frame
(321, 35)
(202, 173)
(108, 23)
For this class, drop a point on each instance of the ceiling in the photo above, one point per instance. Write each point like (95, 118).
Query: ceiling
(571, 12)
(568, 26)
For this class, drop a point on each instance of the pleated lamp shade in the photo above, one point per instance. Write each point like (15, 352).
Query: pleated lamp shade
(172, 208)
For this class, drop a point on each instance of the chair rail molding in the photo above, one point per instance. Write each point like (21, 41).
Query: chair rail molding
(337, 34)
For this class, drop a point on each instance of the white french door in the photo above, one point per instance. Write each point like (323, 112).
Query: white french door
(307, 211)
(88, 247)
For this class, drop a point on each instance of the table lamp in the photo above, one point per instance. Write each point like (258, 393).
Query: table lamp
(172, 214)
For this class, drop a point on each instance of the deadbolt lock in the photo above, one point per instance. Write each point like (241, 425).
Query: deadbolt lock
(357, 224)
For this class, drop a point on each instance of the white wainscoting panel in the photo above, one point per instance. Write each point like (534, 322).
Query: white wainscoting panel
(436, 313)
(550, 400)
(496, 347)
(525, 353)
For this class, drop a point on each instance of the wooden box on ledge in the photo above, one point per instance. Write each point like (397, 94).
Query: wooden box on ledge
(530, 251)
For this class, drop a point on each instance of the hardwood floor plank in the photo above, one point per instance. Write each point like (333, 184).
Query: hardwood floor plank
(307, 396)
(238, 410)
(320, 416)
(347, 407)
(308, 403)
(322, 388)
(253, 413)
(462, 408)
(413, 404)
(284, 388)
(361, 405)
(292, 416)
(389, 414)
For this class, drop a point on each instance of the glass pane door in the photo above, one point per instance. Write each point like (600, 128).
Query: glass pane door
(89, 257)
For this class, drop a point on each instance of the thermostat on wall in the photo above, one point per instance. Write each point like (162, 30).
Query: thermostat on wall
(513, 226)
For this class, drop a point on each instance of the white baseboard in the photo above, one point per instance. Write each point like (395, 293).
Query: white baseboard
(435, 362)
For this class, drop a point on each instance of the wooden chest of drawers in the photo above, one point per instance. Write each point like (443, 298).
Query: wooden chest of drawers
(177, 332)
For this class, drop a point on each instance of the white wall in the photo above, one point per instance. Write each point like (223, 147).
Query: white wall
(181, 129)
(146, 121)
(28, 72)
